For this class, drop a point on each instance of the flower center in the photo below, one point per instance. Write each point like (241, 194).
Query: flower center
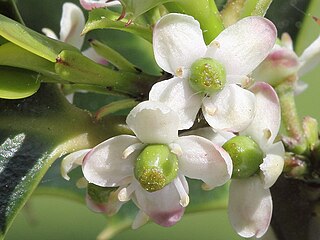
(156, 166)
(207, 75)
(246, 156)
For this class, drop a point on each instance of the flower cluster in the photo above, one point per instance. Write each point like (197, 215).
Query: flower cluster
(150, 167)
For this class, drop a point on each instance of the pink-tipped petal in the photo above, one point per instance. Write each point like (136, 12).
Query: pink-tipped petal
(266, 123)
(279, 64)
(153, 122)
(232, 109)
(202, 159)
(72, 161)
(250, 207)
(163, 206)
(177, 42)
(177, 94)
(244, 45)
(94, 206)
(71, 25)
(104, 165)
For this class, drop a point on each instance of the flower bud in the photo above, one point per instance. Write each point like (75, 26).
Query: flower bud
(246, 156)
(207, 75)
(156, 166)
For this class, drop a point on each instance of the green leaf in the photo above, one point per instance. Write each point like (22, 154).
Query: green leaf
(30, 40)
(105, 19)
(17, 83)
(33, 133)
(15, 56)
(135, 8)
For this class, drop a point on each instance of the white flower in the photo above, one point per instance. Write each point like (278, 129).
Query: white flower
(109, 206)
(283, 62)
(178, 43)
(112, 163)
(91, 4)
(250, 202)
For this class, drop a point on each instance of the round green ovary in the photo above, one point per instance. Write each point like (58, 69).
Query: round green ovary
(207, 75)
(246, 156)
(156, 166)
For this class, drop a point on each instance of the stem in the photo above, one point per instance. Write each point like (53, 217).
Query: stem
(112, 230)
(294, 212)
(255, 8)
(206, 12)
(76, 68)
(290, 116)
(115, 107)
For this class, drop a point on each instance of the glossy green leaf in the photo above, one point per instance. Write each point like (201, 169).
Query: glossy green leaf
(105, 19)
(16, 83)
(15, 56)
(34, 132)
(30, 40)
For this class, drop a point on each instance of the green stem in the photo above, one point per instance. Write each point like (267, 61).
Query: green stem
(115, 107)
(255, 8)
(206, 12)
(76, 68)
(290, 117)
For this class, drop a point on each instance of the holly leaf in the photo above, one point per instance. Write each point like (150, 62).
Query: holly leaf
(34, 132)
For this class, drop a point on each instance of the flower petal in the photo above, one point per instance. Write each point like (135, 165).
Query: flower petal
(202, 159)
(244, 45)
(49, 33)
(232, 109)
(266, 123)
(153, 122)
(177, 95)
(93, 55)
(72, 161)
(162, 206)
(91, 4)
(177, 42)
(208, 133)
(104, 165)
(310, 57)
(272, 165)
(250, 207)
(279, 64)
(71, 25)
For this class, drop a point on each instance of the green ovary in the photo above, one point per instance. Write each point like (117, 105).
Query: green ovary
(156, 166)
(207, 75)
(246, 156)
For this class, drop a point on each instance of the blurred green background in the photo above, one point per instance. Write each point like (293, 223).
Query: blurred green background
(47, 217)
